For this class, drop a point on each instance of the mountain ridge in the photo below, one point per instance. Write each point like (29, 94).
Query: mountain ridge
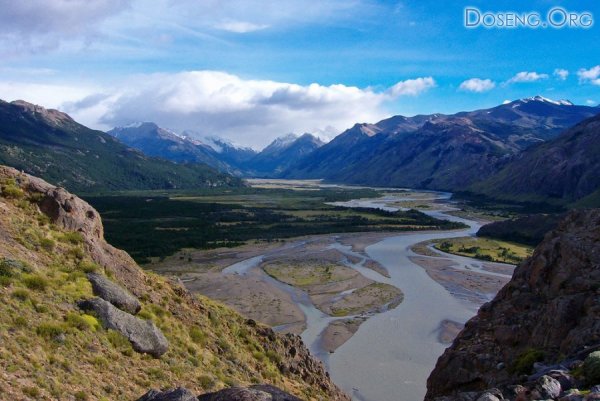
(51, 144)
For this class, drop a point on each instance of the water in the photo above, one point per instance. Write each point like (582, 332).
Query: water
(391, 355)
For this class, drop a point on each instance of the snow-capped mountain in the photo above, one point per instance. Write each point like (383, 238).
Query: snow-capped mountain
(444, 152)
(155, 141)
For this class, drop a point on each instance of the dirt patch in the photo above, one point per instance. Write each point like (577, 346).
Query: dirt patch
(338, 332)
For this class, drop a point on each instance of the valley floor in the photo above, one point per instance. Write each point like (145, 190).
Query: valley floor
(327, 287)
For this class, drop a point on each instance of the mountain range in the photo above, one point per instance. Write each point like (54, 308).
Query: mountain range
(533, 149)
(192, 147)
(443, 152)
(50, 144)
(563, 170)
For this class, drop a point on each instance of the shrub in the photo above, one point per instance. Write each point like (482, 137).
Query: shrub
(119, 342)
(35, 282)
(21, 294)
(71, 237)
(47, 244)
(524, 363)
(50, 330)
(80, 395)
(197, 335)
(591, 368)
(82, 322)
(11, 267)
(206, 382)
(31, 391)
(12, 191)
(88, 267)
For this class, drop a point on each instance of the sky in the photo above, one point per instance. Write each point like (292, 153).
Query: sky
(252, 70)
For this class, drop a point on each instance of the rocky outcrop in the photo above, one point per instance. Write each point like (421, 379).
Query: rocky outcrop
(178, 394)
(549, 312)
(297, 360)
(262, 392)
(144, 336)
(114, 293)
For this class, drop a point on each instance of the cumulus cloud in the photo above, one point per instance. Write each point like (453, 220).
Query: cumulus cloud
(246, 111)
(412, 87)
(589, 76)
(526, 76)
(477, 85)
(561, 74)
(591, 102)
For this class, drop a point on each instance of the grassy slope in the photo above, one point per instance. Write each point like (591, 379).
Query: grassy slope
(49, 350)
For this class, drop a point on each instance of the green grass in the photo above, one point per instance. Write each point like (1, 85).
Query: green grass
(485, 249)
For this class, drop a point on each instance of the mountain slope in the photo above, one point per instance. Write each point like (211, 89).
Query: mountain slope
(50, 144)
(547, 313)
(154, 141)
(52, 350)
(438, 151)
(561, 170)
(281, 154)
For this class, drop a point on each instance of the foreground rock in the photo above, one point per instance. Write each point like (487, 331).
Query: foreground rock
(262, 392)
(144, 336)
(113, 293)
(178, 394)
(549, 312)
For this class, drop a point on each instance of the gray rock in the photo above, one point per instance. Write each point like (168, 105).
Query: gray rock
(236, 394)
(144, 336)
(488, 397)
(113, 293)
(548, 387)
(276, 394)
(595, 389)
(178, 394)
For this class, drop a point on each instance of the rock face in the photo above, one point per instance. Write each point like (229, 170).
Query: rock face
(114, 293)
(237, 394)
(178, 394)
(262, 392)
(550, 307)
(145, 337)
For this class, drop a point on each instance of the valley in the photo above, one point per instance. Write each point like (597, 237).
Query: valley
(348, 294)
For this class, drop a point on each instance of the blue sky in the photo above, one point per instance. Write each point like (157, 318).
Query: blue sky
(253, 70)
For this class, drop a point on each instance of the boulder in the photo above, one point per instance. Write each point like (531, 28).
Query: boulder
(178, 394)
(236, 394)
(144, 336)
(548, 387)
(591, 367)
(114, 293)
(276, 394)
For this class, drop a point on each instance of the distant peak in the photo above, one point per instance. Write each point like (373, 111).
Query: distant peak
(543, 99)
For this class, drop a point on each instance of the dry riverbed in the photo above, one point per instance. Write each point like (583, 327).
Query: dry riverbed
(311, 265)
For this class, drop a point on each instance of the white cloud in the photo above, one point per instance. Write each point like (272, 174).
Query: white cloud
(249, 112)
(412, 87)
(240, 26)
(561, 74)
(589, 76)
(42, 24)
(591, 102)
(526, 76)
(477, 85)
